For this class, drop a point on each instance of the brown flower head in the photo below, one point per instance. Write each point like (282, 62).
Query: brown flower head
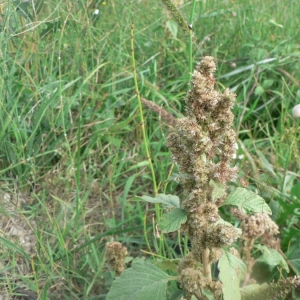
(115, 256)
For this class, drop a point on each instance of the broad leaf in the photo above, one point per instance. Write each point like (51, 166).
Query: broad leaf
(218, 190)
(247, 201)
(176, 295)
(295, 191)
(293, 256)
(272, 258)
(231, 270)
(296, 265)
(167, 200)
(259, 90)
(169, 264)
(239, 265)
(143, 281)
(172, 221)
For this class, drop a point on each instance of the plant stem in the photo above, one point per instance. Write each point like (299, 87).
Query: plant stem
(206, 263)
(191, 39)
(197, 296)
(145, 138)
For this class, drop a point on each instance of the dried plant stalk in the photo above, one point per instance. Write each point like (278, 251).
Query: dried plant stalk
(166, 116)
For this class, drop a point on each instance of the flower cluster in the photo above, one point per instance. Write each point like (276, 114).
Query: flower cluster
(115, 256)
(258, 225)
(203, 145)
(274, 290)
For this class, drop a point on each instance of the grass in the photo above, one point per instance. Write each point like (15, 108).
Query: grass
(72, 151)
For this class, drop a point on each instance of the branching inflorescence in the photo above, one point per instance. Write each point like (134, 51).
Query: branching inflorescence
(203, 145)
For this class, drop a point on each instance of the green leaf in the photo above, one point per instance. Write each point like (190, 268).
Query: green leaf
(172, 26)
(295, 191)
(12, 246)
(293, 256)
(275, 208)
(143, 281)
(167, 200)
(249, 67)
(230, 267)
(171, 221)
(139, 165)
(169, 264)
(272, 258)
(259, 90)
(267, 83)
(208, 294)
(22, 10)
(176, 295)
(266, 163)
(296, 265)
(238, 264)
(247, 201)
(218, 190)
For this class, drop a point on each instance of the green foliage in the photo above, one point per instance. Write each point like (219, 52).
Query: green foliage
(295, 191)
(232, 270)
(172, 221)
(142, 281)
(172, 26)
(176, 14)
(70, 138)
(207, 294)
(247, 201)
(168, 265)
(272, 258)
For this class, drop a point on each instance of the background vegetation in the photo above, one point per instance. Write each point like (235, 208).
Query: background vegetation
(72, 152)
